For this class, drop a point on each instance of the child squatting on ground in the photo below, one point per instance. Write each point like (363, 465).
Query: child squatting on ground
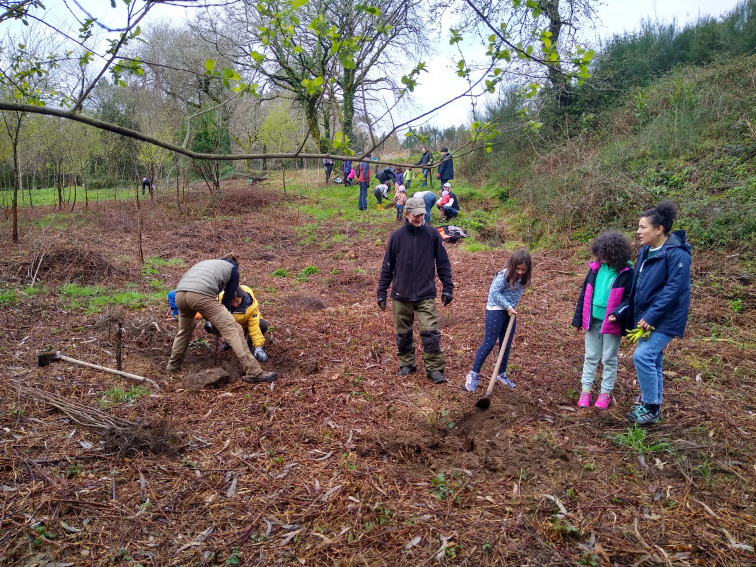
(601, 311)
(399, 200)
(503, 296)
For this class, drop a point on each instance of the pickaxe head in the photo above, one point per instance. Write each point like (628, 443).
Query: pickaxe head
(46, 359)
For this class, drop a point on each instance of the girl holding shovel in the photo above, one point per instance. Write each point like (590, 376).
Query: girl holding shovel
(503, 296)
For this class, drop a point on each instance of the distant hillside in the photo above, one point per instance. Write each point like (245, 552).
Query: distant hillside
(669, 114)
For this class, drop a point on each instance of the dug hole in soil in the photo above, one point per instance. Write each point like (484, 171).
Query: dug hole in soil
(342, 462)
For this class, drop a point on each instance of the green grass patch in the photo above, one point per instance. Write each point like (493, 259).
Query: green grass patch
(636, 439)
(320, 213)
(7, 296)
(93, 299)
(117, 396)
(152, 265)
(472, 247)
(308, 271)
(49, 196)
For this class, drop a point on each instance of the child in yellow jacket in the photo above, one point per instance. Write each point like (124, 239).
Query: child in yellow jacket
(247, 314)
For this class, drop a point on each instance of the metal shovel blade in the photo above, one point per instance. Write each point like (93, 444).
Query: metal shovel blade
(483, 403)
(46, 359)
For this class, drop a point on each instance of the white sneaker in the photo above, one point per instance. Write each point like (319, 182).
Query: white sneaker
(502, 379)
(471, 381)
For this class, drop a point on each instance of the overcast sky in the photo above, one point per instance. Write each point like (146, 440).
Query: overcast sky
(441, 82)
(616, 17)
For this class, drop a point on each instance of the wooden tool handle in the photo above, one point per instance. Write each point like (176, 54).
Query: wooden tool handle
(502, 350)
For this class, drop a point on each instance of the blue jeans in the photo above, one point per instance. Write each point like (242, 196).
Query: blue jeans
(430, 200)
(604, 348)
(496, 327)
(426, 172)
(450, 212)
(648, 365)
(362, 203)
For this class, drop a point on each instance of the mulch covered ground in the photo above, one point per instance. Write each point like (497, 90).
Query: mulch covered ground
(341, 462)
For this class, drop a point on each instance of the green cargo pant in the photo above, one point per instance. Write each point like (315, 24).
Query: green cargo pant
(404, 316)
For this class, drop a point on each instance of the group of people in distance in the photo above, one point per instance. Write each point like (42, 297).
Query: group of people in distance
(400, 179)
(653, 296)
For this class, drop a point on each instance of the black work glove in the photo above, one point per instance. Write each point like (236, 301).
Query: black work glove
(382, 303)
(446, 298)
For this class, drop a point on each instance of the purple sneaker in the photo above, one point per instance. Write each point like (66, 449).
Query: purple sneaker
(585, 400)
(603, 401)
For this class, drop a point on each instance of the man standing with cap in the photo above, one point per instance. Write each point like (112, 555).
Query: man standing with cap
(414, 254)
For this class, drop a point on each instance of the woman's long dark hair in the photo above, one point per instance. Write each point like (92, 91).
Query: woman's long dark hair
(518, 257)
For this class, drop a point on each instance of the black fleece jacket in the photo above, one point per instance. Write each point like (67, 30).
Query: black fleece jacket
(413, 256)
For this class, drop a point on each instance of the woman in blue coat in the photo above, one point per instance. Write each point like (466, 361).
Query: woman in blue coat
(659, 302)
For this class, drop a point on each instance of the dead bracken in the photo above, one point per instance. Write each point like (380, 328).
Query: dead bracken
(340, 461)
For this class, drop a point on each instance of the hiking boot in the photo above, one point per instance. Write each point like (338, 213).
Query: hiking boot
(644, 416)
(585, 400)
(603, 401)
(502, 379)
(262, 377)
(407, 370)
(471, 381)
(172, 369)
(225, 346)
(437, 377)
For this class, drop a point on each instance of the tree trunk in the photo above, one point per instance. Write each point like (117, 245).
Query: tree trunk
(16, 181)
(554, 72)
(59, 184)
(348, 104)
(325, 142)
(29, 186)
(74, 193)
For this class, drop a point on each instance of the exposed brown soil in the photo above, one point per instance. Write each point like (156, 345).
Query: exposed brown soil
(341, 462)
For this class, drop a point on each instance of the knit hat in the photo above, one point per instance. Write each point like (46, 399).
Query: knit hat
(447, 185)
(415, 206)
(401, 189)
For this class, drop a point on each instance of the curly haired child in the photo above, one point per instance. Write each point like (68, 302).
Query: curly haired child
(601, 310)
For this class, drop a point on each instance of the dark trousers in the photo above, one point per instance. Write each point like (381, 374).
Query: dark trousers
(427, 321)
(496, 327)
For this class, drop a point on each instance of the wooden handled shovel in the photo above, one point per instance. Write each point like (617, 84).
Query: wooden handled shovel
(46, 359)
(485, 401)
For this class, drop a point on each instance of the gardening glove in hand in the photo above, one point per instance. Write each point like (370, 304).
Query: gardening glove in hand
(260, 354)
(382, 304)
(446, 298)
